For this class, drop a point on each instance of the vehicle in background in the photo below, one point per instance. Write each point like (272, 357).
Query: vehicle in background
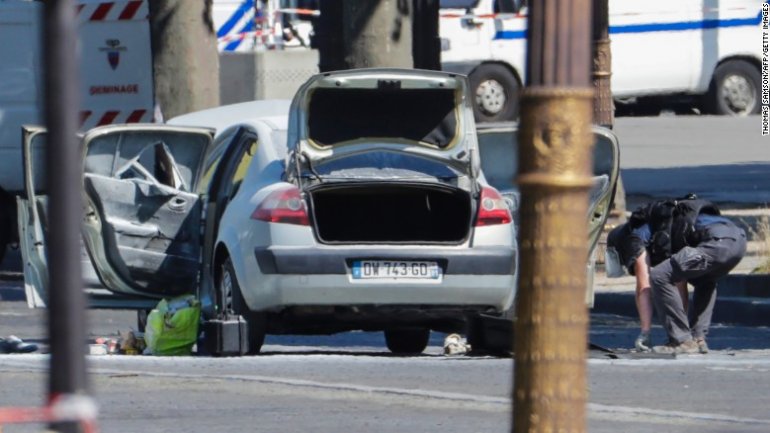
(695, 51)
(688, 53)
(116, 80)
(302, 226)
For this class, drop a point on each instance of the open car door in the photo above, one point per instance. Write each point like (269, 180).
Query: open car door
(142, 215)
(498, 150)
(142, 223)
(31, 208)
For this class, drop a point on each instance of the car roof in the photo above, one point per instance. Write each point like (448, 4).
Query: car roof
(274, 111)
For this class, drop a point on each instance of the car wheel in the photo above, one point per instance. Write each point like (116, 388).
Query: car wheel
(230, 300)
(407, 341)
(495, 93)
(734, 89)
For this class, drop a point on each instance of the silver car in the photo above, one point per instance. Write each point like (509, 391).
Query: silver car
(362, 205)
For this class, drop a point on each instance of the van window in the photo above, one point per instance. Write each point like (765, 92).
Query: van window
(506, 6)
(458, 4)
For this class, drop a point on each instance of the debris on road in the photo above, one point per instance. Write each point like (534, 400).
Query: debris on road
(14, 344)
(454, 345)
(172, 327)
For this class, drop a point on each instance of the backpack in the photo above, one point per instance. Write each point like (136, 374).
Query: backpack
(672, 224)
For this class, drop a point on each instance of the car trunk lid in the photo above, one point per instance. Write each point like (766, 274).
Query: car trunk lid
(422, 113)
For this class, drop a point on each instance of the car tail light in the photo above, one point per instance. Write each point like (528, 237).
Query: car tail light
(283, 206)
(492, 208)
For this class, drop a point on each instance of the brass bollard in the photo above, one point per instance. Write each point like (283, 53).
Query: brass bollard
(551, 316)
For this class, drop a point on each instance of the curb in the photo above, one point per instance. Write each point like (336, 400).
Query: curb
(741, 300)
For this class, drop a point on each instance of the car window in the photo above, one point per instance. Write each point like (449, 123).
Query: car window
(243, 162)
(211, 168)
(499, 158)
(108, 153)
(384, 163)
(213, 158)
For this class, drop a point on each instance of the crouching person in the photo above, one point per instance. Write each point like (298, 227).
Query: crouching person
(626, 253)
(720, 247)
(689, 241)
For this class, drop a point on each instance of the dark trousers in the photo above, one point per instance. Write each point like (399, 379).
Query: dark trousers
(722, 247)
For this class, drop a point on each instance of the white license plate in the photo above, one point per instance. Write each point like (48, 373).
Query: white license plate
(395, 270)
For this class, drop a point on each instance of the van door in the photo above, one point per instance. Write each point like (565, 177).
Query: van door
(116, 81)
(142, 224)
(466, 28)
(652, 45)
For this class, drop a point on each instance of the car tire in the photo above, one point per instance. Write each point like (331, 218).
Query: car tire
(495, 93)
(231, 299)
(407, 341)
(734, 89)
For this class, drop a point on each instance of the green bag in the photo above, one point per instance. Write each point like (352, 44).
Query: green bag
(172, 327)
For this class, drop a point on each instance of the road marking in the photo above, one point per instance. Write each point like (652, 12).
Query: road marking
(470, 401)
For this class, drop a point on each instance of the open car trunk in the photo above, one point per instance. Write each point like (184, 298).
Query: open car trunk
(391, 213)
(421, 113)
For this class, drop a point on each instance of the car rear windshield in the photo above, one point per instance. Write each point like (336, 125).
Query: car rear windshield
(421, 115)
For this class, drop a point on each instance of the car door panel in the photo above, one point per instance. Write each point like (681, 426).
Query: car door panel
(142, 224)
(150, 240)
(498, 151)
(31, 213)
(32, 217)
(143, 219)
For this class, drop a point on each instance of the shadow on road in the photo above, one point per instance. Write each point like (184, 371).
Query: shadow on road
(619, 332)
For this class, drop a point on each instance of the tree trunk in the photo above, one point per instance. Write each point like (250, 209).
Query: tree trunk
(185, 58)
(377, 33)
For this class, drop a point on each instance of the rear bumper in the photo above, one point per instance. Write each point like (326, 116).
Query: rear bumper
(337, 261)
(277, 292)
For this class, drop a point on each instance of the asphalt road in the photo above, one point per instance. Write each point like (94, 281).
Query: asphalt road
(349, 382)
(720, 158)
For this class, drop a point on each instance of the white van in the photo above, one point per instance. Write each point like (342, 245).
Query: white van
(706, 51)
(115, 84)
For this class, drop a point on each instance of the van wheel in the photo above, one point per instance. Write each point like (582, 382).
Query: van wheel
(407, 341)
(495, 93)
(734, 89)
(231, 300)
